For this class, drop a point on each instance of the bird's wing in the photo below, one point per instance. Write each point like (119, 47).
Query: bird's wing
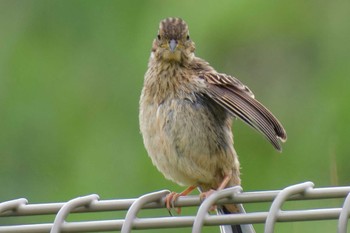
(236, 98)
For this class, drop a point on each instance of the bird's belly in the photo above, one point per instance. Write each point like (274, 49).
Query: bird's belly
(187, 142)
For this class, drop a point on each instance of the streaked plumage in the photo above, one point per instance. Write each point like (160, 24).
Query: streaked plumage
(186, 112)
(236, 98)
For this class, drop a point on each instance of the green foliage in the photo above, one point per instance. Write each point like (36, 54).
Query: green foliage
(71, 73)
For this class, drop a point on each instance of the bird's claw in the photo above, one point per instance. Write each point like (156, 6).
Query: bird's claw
(170, 202)
(205, 195)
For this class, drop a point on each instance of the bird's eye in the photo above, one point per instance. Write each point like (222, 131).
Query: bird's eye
(187, 37)
(158, 37)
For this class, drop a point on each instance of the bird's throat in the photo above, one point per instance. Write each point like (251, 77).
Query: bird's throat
(170, 56)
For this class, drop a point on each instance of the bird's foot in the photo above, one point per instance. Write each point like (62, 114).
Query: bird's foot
(173, 196)
(170, 202)
(205, 195)
(222, 185)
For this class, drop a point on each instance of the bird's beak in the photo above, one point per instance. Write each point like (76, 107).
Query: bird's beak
(172, 45)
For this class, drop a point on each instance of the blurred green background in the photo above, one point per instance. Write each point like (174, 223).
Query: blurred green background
(71, 73)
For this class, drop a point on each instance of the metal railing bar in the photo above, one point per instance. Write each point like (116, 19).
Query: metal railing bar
(68, 207)
(124, 204)
(275, 208)
(202, 213)
(28, 228)
(316, 193)
(249, 218)
(131, 215)
(344, 216)
(12, 205)
(178, 222)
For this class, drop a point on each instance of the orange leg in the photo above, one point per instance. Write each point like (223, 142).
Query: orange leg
(225, 181)
(172, 197)
(222, 185)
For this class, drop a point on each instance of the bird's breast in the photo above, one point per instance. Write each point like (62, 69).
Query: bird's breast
(187, 138)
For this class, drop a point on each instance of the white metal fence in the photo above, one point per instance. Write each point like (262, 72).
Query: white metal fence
(92, 203)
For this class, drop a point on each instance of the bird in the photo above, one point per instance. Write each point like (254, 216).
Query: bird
(186, 110)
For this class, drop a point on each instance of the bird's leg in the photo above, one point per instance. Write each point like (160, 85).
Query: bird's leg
(222, 185)
(225, 181)
(172, 197)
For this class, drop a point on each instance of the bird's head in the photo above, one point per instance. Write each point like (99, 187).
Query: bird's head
(173, 41)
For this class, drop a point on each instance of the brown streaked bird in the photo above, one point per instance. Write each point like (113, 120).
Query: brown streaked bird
(186, 113)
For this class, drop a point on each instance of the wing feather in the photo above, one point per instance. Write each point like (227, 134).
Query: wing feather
(237, 99)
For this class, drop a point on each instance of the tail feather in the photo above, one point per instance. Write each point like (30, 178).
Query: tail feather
(246, 228)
